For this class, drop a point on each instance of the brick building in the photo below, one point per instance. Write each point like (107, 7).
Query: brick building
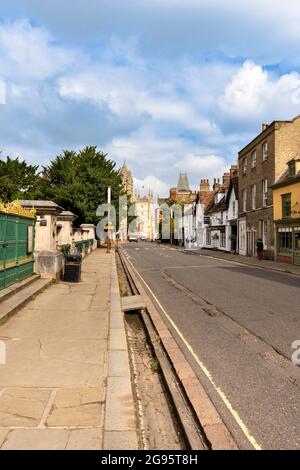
(182, 191)
(260, 164)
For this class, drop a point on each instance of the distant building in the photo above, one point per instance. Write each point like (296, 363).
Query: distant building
(203, 199)
(145, 217)
(260, 164)
(286, 199)
(217, 229)
(182, 191)
(127, 182)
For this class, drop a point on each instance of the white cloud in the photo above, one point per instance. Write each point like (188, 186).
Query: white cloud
(29, 52)
(253, 93)
(203, 165)
(160, 115)
(157, 186)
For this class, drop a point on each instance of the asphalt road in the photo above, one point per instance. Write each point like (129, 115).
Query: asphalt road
(238, 324)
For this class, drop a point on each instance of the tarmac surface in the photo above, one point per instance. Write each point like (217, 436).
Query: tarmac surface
(235, 324)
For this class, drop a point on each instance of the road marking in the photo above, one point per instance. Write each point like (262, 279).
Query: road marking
(204, 369)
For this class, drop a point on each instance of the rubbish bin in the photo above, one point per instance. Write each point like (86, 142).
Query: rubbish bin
(72, 268)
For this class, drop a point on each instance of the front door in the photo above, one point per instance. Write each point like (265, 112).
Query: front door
(297, 246)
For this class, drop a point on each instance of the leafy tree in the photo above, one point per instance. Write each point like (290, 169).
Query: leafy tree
(174, 240)
(18, 180)
(78, 182)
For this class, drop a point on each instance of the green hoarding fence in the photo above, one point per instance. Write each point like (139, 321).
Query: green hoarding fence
(16, 248)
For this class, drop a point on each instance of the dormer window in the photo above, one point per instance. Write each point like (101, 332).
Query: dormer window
(292, 169)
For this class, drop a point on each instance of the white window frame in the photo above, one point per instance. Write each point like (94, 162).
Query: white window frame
(253, 196)
(264, 192)
(264, 233)
(244, 200)
(222, 239)
(233, 208)
(253, 160)
(265, 150)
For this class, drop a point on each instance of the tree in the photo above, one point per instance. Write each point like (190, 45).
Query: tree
(18, 180)
(171, 202)
(78, 182)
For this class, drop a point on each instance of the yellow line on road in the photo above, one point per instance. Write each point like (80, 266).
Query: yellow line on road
(220, 392)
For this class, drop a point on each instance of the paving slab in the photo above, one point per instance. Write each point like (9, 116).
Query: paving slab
(119, 405)
(36, 439)
(85, 439)
(118, 364)
(22, 407)
(117, 339)
(119, 440)
(66, 365)
(3, 433)
(133, 303)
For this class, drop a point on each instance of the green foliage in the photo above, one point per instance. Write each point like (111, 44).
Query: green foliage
(78, 182)
(171, 201)
(18, 180)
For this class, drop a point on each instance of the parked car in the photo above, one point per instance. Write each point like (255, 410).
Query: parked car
(133, 238)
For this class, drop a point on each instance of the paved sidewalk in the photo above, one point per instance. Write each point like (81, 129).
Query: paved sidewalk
(66, 383)
(250, 261)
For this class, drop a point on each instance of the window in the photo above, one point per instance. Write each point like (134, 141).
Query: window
(233, 208)
(208, 238)
(285, 241)
(253, 159)
(265, 193)
(245, 166)
(286, 205)
(253, 196)
(244, 200)
(292, 169)
(242, 233)
(265, 150)
(222, 239)
(264, 233)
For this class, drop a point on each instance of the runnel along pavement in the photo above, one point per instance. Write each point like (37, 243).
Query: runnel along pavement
(66, 382)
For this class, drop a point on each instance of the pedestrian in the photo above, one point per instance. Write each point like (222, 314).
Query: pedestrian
(260, 248)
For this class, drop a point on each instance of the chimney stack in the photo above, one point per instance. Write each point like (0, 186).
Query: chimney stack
(233, 171)
(204, 185)
(217, 184)
(226, 178)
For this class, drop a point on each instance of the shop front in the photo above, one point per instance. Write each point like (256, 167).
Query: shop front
(288, 243)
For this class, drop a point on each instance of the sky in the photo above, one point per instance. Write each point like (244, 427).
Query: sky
(167, 85)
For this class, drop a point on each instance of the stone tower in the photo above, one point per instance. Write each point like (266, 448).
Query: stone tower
(127, 180)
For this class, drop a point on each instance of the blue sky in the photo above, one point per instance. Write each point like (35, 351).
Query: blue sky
(163, 84)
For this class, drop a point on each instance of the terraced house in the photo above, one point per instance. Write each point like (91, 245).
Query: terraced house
(261, 163)
(286, 197)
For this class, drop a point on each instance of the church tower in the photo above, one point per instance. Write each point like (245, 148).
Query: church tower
(127, 180)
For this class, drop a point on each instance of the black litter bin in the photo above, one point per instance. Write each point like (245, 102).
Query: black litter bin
(72, 268)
